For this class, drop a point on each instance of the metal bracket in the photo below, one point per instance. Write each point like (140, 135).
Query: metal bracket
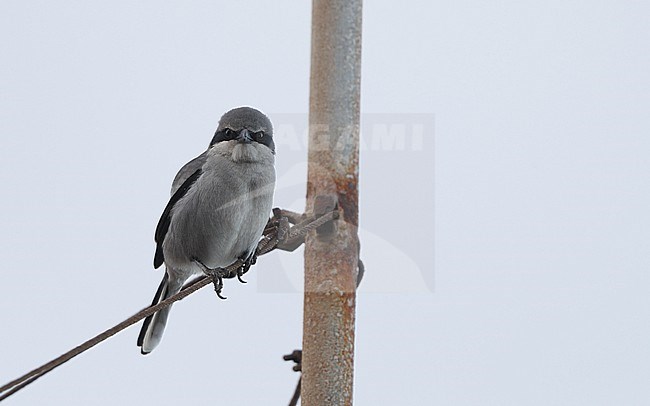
(324, 204)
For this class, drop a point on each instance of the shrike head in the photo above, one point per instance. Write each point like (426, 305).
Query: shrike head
(247, 127)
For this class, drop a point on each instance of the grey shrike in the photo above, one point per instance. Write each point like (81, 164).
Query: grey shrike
(220, 204)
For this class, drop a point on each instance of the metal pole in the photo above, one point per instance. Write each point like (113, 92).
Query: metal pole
(331, 252)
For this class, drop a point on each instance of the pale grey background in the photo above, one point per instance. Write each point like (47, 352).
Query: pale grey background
(541, 288)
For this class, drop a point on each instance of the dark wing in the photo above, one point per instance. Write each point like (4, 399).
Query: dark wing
(166, 218)
(187, 170)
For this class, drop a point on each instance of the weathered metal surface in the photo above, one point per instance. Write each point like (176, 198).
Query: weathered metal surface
(331, 252)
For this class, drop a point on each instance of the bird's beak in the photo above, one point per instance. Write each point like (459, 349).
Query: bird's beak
(244, 137)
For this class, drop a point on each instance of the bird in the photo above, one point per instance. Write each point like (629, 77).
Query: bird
(220, 203)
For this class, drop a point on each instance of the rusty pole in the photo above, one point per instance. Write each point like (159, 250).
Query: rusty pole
(331, 252)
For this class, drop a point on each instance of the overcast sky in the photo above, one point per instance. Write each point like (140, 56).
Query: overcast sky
(503, 199)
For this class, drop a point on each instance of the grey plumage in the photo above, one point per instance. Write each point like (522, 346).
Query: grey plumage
(187, 170)
(221, 201)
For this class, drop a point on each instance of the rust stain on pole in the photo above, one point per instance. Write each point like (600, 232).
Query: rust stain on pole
(331, 253)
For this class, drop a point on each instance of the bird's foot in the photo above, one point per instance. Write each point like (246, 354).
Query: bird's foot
(217, 275)
(247, 263)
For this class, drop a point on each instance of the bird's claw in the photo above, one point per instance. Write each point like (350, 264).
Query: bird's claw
(217, 281)
(218, 291)
(246, 265)
(240, 273)
(216, 275)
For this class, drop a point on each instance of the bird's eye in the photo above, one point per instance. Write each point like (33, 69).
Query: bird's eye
(259, 135)
(229, 133)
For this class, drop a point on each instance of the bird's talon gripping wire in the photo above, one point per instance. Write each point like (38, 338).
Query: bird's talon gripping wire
(247, 262)
(217, 281)
(218, 291)
(215, 274)
(240, 273)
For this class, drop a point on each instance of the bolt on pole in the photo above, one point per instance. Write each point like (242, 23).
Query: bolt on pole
(332, 251)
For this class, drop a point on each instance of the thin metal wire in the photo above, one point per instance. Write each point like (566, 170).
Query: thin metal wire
(296, 394)
(268, 243)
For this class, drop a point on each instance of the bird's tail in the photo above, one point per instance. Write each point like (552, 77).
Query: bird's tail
(154, 325)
